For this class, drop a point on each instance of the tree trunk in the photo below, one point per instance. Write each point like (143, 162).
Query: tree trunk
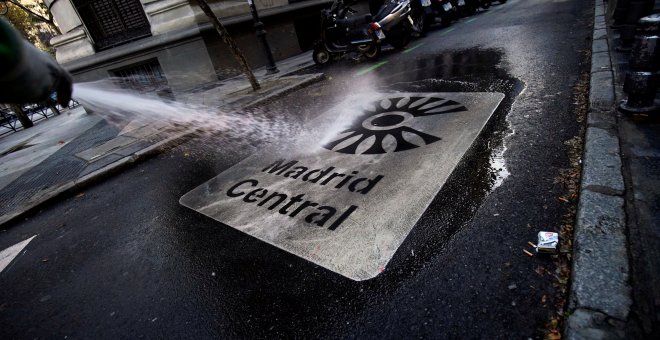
(230, 42)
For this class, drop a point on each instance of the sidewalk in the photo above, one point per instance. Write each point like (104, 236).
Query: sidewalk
(616, 256)
(68, 152)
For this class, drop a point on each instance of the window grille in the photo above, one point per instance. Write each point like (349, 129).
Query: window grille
(113, 22)
(146, 76)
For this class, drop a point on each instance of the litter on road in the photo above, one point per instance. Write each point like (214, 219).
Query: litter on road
(547, 242)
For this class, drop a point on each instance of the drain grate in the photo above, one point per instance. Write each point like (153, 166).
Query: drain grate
(61, 167)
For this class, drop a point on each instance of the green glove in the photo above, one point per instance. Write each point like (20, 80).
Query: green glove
(28, 75)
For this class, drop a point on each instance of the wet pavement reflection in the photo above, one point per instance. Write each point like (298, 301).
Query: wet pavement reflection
(125, 258)
(282, 309)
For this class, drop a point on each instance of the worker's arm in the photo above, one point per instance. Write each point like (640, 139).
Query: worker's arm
(27, 74)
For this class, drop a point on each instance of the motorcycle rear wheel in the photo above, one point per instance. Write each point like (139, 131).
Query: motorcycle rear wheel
(421, 22)
(399, 37)
(321, 55)
(373, 53)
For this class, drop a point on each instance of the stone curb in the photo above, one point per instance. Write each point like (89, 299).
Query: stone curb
(600, 294)
(76, 185)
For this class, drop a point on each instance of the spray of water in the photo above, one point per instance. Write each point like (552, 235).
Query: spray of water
(354, 95)
(121, 106)
(245, 127)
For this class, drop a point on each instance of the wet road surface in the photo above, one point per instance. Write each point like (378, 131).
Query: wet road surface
(125, 259)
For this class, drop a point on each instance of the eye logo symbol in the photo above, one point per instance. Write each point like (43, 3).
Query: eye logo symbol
(386, 122)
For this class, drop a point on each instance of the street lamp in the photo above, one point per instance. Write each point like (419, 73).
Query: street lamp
(261, 34)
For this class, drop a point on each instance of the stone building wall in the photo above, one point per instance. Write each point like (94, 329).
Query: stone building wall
(182, 43)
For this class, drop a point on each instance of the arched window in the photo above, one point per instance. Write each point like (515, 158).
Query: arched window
(113, 22)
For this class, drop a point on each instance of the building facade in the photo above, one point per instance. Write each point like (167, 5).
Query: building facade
(169, 44)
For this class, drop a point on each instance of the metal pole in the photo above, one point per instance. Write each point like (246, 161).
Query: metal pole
(261, 34)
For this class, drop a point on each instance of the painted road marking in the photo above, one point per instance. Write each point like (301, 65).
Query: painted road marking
(8, 255)
(412, 48)
(346, 194)
(371, 68)
(471, 20)
(448, 30)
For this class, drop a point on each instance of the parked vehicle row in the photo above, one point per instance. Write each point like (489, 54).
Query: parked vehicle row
(363, 34)
(392, 21)
(341, 34)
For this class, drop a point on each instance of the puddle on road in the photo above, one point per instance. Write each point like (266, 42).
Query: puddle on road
(366, 190)
(483, 167)
(472, 70)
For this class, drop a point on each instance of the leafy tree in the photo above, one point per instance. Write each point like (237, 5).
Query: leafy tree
(33, 19)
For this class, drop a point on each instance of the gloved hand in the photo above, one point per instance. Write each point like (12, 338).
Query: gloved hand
(45, 76)
(28, 75)
(63, 85)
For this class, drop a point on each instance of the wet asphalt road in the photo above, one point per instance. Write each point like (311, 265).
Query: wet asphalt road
(125, 259)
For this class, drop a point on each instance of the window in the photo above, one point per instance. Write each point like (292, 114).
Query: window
(146, 76)
(113, 22)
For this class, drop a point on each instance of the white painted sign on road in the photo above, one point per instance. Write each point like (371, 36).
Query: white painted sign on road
(9, 254)
(347, 193)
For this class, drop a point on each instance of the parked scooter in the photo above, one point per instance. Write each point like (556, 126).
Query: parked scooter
(471, 6)
(341, 34)
(444, 10)
(422, 16)
(394, 19)
(461, 8)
